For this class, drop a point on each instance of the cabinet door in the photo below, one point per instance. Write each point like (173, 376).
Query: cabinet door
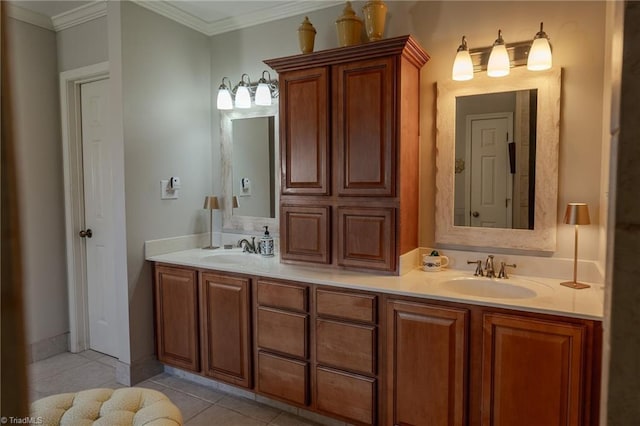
(304, 233)
(425, 364)
(531, 371)
(176, 298)
(304, 131)
(349, 396)
(366, 238)
(364, 127)
(283, 378)
(225, 328)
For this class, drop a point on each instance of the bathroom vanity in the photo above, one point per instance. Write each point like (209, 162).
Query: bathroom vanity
(420, 349)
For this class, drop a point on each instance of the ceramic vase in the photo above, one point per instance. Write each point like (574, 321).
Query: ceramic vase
(349, 27)
(375, 16)
(306, 35)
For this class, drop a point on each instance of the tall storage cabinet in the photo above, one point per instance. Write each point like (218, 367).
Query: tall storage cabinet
(349, 121)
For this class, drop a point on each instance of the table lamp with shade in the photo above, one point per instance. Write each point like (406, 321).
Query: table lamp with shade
(576, 214)
(211, 204)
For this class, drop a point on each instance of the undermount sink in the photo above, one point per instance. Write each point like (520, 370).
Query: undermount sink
(232, 258)
(490, 288)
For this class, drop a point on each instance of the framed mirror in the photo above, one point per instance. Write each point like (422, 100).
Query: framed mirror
(249, 153)
(497, 161)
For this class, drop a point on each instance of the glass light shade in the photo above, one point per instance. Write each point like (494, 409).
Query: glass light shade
(462, 66)
(224, 99)
(540, 55)
(263, 95)
(243, 98)
(499, 65)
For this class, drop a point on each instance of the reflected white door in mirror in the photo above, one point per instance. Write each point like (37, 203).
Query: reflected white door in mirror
(249, 154)
(497, 161)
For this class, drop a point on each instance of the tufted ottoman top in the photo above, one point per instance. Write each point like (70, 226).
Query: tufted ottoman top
(108, 407)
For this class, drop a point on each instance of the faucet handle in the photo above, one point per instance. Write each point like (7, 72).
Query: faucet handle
(503, 273)
(479, 272)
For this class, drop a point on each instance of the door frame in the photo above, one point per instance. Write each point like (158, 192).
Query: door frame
(70, 108)
(467, 179)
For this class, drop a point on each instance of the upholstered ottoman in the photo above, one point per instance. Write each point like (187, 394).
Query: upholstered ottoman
(108, 407)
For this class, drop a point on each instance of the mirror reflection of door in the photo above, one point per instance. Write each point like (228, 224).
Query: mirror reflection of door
(490, 191)
(495, 152)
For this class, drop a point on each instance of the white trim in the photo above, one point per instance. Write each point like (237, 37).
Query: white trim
(79, 15)
(285, 10)
(30, 17)
(70, 82)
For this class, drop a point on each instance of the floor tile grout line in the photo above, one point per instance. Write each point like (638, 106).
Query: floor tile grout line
(185, 420)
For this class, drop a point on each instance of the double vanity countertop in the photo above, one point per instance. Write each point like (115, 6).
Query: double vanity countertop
(524, 293)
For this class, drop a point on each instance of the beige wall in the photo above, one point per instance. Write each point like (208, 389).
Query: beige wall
(577, 33)
(39, 162)
(83, 44)
(167, 132)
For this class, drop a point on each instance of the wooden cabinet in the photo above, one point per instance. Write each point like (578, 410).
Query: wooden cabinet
(532, 371)
(226, 342)
(426, 364)
(346, 355)
(282, 341)
(176, 304)
(372, 91)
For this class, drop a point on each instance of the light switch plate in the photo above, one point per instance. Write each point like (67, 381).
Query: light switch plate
(166, 193)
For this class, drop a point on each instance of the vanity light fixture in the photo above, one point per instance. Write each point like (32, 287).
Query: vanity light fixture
(211, 204)
(540, 58)
(499, 63)
(500, 57)
(264, 90)
(462, 65)
(576, 214)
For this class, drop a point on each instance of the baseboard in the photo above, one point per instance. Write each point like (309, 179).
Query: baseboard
(47, 348)
(138, 371)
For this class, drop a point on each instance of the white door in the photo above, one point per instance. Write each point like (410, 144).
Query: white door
(96, 157)
(490, 195)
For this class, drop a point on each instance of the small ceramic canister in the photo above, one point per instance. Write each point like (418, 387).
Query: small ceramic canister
(306, 36)
(349, 27)
(434, 263)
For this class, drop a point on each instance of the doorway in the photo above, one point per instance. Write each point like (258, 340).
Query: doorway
(88, 178)
(489, 186)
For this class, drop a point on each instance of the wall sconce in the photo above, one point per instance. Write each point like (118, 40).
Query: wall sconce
(576, 214)
(462, 65)
(500, 57)
(263, 91)
(540, 58)
(499, 64)
(211, 204)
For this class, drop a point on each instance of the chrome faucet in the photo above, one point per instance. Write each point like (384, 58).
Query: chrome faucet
(490, 272)
(248, 247)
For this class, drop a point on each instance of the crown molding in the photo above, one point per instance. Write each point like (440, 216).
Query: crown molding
(30, 17)
(79, 15)
(286, 10)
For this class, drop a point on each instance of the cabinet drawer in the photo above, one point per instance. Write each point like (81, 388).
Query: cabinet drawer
(348, 346)
(283, 378)
(280, 295)
(284, 332)
(347, 395)
(356, 307)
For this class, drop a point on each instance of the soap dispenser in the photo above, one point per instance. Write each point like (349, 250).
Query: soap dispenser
(266, 243)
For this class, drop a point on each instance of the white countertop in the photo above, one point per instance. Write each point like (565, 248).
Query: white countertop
(550, 297)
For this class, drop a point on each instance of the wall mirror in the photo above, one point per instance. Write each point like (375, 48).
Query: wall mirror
(497, 161)
(249, 153)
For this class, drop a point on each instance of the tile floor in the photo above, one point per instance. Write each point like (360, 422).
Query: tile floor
(199, 404)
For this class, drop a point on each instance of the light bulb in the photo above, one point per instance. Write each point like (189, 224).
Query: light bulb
(499, 63)
(540, 58)
(224, 101)
(462, 65)
(263, 95)
(243, 98)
